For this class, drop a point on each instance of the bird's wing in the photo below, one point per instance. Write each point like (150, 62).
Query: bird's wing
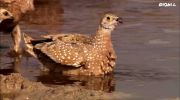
(53, 36)
(70, 38)
(65, 53)
(30, 43)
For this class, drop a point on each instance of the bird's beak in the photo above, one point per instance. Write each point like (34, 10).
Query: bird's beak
(11, 17)
(120, 20)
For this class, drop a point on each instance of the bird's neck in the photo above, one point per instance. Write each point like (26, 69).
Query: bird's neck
(16, 36)
(103, 36)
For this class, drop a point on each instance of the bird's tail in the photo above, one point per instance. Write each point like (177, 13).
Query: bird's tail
(28, 44)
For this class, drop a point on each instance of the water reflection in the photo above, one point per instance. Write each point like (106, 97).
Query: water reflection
(12, 67)
(103, 83)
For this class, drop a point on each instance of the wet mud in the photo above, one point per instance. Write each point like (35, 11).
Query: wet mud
(16, 87)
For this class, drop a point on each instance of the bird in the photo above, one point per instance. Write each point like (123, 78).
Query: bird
(79, 54)
(9, 25)
(11, 12)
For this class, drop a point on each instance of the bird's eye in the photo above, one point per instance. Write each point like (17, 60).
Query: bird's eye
(117, 19)
(108, 18)
(6, 13)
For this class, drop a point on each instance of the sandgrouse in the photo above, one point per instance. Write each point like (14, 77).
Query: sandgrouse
(9, 25)
(80, 54)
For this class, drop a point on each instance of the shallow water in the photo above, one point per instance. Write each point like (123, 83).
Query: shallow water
(147, 45)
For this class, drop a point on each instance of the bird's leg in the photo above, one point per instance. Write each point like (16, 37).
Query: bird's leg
(16, 36)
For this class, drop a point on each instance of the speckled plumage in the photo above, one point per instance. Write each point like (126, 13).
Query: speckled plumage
(89, 55)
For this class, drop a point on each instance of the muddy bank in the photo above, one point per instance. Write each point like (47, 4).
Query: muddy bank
(16, 87)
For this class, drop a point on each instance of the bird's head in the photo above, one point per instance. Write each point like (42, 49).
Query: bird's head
(5, 14)
(110, 21)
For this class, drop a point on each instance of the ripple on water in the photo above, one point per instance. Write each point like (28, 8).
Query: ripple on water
(175, 31)
(158, 42)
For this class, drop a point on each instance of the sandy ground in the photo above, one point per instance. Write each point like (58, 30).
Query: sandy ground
(16, 87)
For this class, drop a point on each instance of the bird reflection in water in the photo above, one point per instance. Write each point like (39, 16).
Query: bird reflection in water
(103, 83)
(14, 66)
